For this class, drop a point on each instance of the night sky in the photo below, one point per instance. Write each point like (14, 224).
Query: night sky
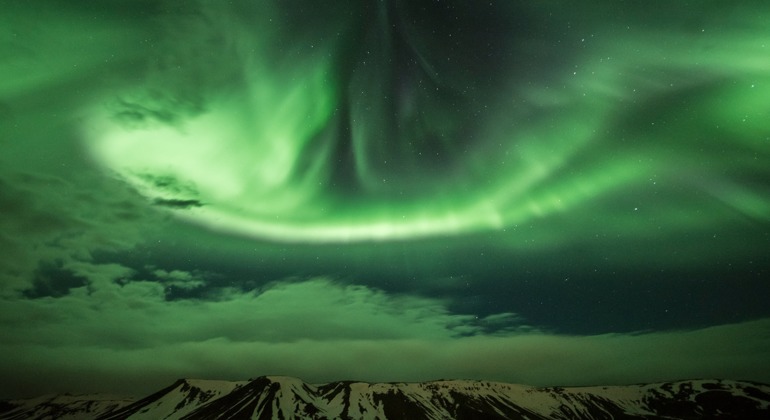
(547, 193)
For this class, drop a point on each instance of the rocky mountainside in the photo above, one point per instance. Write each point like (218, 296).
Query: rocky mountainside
(277, 397)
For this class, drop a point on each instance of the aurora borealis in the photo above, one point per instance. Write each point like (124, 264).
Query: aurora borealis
(304, 153)
(549, 193)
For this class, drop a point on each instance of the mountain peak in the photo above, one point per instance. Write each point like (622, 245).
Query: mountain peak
(284, 397)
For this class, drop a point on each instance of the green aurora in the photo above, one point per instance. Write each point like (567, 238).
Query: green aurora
(264, 157)
(549, 193)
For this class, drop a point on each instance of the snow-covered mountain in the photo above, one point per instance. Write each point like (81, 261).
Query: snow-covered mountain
(183, 397)
(68, 407)
(278, 397)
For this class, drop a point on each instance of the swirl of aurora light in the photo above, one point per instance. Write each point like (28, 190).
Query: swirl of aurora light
(382, 121)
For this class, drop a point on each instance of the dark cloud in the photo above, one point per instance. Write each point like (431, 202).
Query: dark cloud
(51, 279)
(176, 203)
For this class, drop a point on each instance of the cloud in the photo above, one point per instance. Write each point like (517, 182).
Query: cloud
(730, 351)
(138, 314)
(127, 338)
(176, 203)
(52, 279)
(56, 207)
(181, 279)
(51, 222)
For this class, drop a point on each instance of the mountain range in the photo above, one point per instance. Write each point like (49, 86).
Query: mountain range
(281, 397)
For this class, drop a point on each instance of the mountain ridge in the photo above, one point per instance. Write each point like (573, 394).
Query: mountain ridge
(284, 397)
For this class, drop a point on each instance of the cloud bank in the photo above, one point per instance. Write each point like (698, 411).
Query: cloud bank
(129, 339)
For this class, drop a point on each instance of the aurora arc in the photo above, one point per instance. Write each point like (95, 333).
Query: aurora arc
(261, 152)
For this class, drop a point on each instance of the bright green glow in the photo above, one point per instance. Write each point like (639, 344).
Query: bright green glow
(243, 153)
(261, 160)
